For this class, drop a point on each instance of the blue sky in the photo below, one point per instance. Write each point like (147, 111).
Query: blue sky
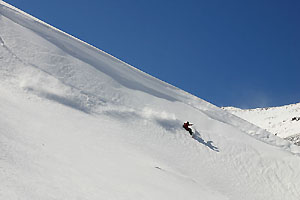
(240, 53)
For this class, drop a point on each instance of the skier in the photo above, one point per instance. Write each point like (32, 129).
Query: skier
(187, 128)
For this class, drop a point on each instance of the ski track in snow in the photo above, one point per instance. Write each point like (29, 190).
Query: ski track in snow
(77, 123)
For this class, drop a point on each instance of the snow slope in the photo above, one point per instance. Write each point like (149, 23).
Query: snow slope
(77, 123)
(282, 120)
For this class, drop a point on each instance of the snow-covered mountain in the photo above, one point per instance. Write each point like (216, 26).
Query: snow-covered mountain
(77, 123)
(283, 121)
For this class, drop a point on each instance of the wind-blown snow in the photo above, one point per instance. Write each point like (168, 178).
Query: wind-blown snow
(283, 121)
(77, 123)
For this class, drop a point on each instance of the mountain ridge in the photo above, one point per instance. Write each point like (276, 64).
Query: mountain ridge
(281, 120)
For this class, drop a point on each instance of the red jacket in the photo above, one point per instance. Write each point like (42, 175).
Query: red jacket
(186, 125)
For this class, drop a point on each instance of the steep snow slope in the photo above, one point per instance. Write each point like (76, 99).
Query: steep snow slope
(77, 123)
(283, 121)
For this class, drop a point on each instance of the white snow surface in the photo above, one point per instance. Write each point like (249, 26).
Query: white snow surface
(284, 121)
(77, 123)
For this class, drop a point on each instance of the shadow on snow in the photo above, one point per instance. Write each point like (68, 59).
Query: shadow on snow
(209, 144)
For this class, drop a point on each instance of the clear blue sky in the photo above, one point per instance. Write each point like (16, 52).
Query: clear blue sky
(244, 53)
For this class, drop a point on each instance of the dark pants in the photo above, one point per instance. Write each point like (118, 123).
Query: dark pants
(189, 130)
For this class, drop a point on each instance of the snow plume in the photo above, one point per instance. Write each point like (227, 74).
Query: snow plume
(260, 98)
(41, 84)
(151, 113)
(166, 120)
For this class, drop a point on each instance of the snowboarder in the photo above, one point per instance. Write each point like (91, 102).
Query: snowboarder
(187, 128)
